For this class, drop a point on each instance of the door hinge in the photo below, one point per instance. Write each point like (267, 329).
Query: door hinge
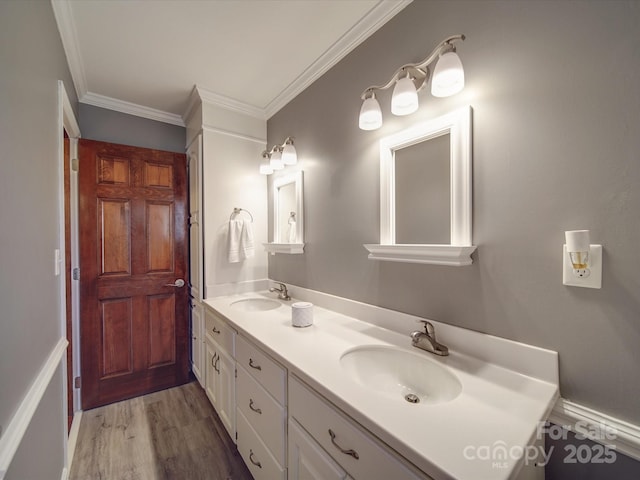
(76, 273)
(76, 382)
(236, 373)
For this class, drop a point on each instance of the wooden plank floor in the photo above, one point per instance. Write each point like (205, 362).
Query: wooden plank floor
(167, 435)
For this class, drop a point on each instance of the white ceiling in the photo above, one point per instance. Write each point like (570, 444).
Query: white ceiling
(145, 56)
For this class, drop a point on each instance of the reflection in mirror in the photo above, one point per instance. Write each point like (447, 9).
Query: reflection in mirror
(288, 215)
(423, 193)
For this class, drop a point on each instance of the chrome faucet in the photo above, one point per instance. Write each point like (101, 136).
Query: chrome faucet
(427, 340)
(283, 294)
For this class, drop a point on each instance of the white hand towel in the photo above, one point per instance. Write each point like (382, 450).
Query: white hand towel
(291, 231)
(247, 249)
(235, 233)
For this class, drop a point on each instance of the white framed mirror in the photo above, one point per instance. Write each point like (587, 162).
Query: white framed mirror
(425, 193)
(288, 214)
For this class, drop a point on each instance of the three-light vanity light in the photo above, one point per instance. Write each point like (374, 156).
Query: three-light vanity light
(278, 157)
(408, 80)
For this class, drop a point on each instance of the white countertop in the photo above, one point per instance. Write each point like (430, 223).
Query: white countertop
(461, 439)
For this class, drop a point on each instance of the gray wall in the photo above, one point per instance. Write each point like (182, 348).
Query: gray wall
(114, 127)
(554, 88)
(32, 61)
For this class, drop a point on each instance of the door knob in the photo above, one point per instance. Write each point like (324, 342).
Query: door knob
(178, 283)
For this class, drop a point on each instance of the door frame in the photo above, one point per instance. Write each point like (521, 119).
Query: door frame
(67, 123)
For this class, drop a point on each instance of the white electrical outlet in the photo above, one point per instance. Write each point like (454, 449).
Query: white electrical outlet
(589, 278)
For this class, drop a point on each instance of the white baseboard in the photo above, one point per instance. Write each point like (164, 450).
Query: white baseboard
(73, 437)
(11, 438)
(65, 474)
(598, 426)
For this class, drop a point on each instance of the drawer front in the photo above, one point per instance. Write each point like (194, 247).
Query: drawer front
(256, 455)
(267, 417)
(349, 441)
(219, 331)
(263, 368)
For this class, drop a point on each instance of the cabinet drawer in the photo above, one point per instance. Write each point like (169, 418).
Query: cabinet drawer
(255, 454)
(219, 331)
(271, 375)
(267, 416)
(321, 420)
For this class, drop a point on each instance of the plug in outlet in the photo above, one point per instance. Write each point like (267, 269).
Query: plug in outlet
(590, 277)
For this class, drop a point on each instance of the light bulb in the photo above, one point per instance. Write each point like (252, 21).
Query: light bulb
(289, 155)
(405, 98)
(370, 114)
(448, 76)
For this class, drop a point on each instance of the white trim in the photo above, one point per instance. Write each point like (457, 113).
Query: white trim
(228, 103)
(372, 21)
(68, 33)
(11, 438)
(290, 248)
(65, 474)
(73, 437)
(451, 255)
(122, 106)
(591, 423)
(221, 131)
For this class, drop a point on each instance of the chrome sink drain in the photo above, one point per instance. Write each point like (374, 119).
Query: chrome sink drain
(411, 398)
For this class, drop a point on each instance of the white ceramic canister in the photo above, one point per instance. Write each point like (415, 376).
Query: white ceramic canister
(301, 314)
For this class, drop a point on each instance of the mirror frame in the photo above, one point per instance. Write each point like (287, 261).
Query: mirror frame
(277, 246)
(458, 125)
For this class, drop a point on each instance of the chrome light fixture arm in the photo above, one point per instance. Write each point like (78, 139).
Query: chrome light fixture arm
(418, 72)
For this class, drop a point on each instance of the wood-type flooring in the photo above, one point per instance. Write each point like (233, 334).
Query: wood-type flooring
(174, 434)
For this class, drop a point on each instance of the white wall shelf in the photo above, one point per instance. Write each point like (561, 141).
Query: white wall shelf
(290, 248)
(452, 255)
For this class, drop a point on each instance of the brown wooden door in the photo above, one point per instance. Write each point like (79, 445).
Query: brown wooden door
(133, 233)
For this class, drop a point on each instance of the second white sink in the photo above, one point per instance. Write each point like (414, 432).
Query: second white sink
(401, 375)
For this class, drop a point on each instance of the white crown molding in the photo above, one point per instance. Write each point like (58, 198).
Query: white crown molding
(68, 34)
(379, 15)
(229, 133)
(207, 96)
(12, 436)
(624, 436)
(131, 108)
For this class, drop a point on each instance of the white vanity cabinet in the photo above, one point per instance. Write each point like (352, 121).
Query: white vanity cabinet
(220, 369)
(261, 412)
(334, 435)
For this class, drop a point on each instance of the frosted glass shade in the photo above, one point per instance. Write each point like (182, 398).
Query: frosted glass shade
(448, 76)
(276, 161)
(370, 114)
(405, 98)
(289, 155)
(265, 169)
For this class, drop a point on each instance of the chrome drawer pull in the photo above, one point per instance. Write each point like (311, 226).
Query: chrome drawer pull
(353, 453)
(254, 365)
(257, 464)
(215, 330)
(257, 410)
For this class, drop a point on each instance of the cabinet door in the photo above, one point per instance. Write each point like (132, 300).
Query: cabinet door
(307, 459)
(197, 341)
(226, 388)
(211, 375)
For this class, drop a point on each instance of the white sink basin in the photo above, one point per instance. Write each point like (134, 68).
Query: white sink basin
(401, 375)
(255, 304)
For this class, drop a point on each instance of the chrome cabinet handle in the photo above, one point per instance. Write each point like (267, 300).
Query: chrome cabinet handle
(257, 464)
(178, 283)
(254, 365)
(257, 410)
(353, 453)
(215, 330)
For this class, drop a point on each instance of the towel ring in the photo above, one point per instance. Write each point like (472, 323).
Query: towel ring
(237, 211)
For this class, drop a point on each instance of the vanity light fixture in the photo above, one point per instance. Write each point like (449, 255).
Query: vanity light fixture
(582, 261)
(408, 80)
(278, 157)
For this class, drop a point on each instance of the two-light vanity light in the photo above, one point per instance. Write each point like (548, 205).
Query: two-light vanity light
(278, 157)
(448, 79)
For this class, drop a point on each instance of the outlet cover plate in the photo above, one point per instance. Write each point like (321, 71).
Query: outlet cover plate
(594, 280)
